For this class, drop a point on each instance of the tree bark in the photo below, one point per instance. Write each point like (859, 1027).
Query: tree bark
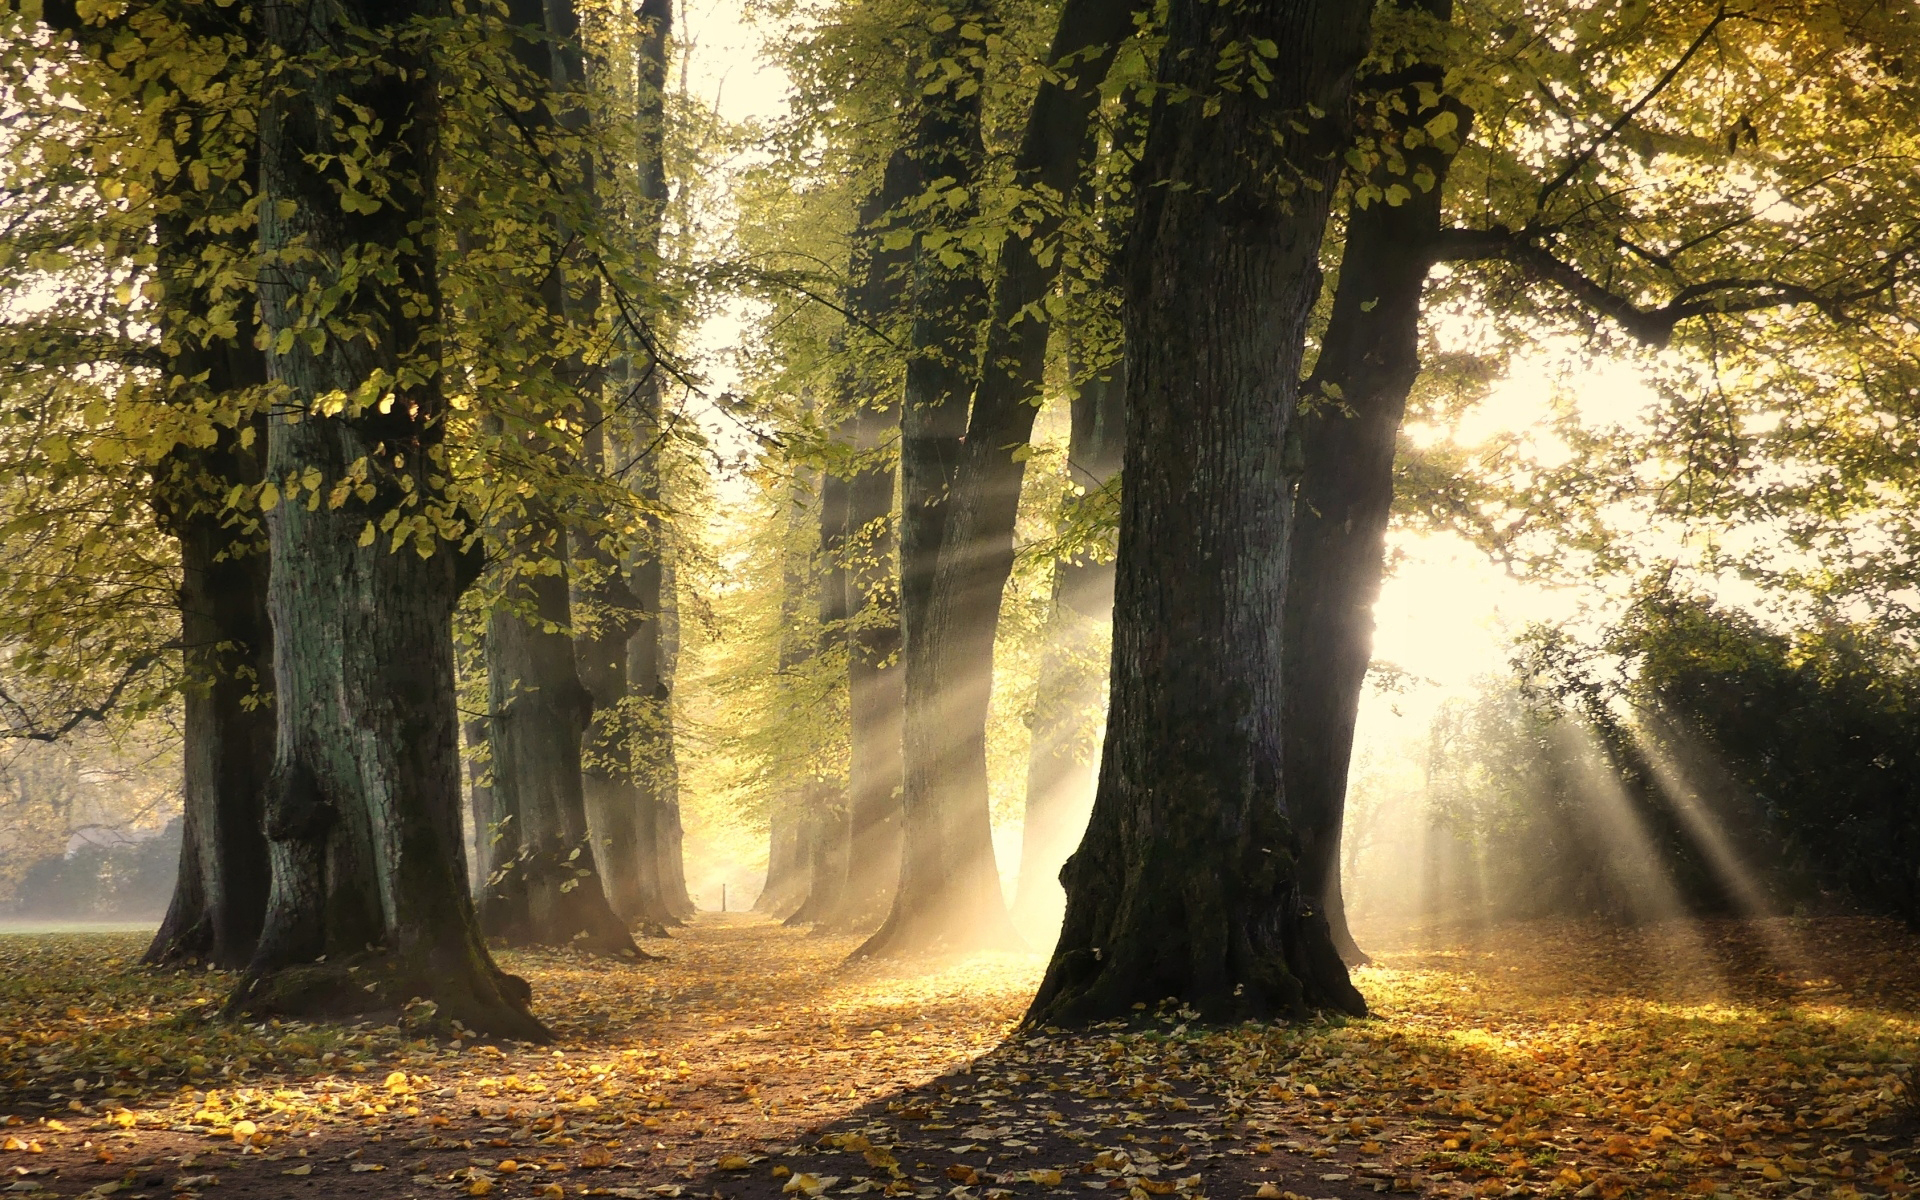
(876, 695)
(651, 656)
(220, 892)
(362, 816)
(481, 858)
(1186, 885)
(1348, 429)
(549, 891)
(957, 542)
(1063, 762)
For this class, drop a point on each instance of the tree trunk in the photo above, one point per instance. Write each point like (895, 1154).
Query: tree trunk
(957, 524)
(876, 697)
(220, 890)
(875, 687)
(787, 858)
(1186, 885)
(1348, 429)
(549, 892)
(362, 815)
(650, 660)
(220, 893)
(1063, 762)
(654, 643)
(481, 858)
(827, 897)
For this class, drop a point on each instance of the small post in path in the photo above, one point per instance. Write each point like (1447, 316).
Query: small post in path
(723, 897)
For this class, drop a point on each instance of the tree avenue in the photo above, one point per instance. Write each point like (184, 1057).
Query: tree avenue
(570, 496)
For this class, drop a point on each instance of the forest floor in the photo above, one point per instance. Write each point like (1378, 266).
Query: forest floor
(1559, 1059)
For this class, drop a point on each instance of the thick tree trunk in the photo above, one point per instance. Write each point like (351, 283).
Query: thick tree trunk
(549, 892)
(220, 893)
(1348, 430)
(363, 817)
(1063, 762)
(651, 654)
(957, 541)
(1186, 884)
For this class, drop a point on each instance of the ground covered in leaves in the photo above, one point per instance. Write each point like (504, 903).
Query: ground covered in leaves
(1766, 1059)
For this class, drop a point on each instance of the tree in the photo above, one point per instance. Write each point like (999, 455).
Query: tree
(363, 812)
(195, 81)
(547, 888)
(1540, 236)
(952, 583)
(1187, 884)
(1349, 427)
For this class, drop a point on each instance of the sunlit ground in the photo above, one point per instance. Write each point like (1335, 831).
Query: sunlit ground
(1553, 1058)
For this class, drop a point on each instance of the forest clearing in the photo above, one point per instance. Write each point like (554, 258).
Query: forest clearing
(1544, 1058)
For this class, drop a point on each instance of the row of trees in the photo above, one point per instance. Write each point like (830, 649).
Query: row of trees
(1723, 194)
(390, 320)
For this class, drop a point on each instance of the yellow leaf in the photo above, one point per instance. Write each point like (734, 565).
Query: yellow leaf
(480, 1187)
(733, 1162)
(1045, 1178)
(302, 1169)
(1267, 1192)
(269, 496)
(242, 1130)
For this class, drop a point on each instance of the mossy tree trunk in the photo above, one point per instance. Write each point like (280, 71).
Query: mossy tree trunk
(1186, 885)
(1348, 430)
(362, 816)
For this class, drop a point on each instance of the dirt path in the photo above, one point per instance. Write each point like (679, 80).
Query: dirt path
(1545, 1059)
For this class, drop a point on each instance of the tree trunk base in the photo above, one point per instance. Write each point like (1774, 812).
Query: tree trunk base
(483, 1000)
(937, 929)
(550, 899)
(1227, 936)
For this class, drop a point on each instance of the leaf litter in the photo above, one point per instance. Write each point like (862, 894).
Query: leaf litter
(1545, 1058)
